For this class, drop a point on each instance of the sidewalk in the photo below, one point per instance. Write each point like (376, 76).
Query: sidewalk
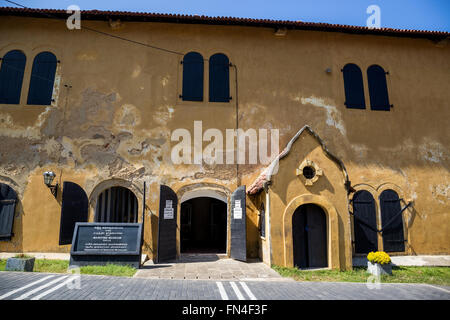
(208, 267)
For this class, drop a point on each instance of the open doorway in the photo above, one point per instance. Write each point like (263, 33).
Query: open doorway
(203, 226)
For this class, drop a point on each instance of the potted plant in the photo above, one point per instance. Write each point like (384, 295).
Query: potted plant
(20, 262)
(379, 263)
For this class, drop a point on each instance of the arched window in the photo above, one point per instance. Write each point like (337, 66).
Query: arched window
(365, 222)
(42, 79)
(192, 77)
(219, 78)
(116, 204)
(391, 222)
(353, 85)
(11, 76)
(379, 98)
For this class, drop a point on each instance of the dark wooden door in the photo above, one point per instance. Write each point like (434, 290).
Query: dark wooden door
(167, 226)
(238, 225)
(309, 233)
(74, 209)
(365, 222)
(8, 200)
(391, 222)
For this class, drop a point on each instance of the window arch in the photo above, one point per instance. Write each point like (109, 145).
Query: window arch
(391, 222)
(365, 222)
(11, 76)
(379, 98)
(192, 77)
(42, 79)
(219, 78)
(116, 204)
(354, 88)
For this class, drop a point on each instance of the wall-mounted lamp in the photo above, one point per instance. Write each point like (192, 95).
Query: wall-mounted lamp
(48, 179)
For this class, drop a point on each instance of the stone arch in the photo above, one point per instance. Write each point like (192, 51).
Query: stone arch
(211, 190)
(114, 182)
(332, 228)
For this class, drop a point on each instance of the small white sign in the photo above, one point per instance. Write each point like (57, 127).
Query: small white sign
(168, 203)
(168, 213)
(237, 213)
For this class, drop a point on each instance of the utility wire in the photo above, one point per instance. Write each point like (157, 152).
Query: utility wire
(104, 33)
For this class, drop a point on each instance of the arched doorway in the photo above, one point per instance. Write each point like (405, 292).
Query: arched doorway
(309, 236)
(203, 225)
(116, 204)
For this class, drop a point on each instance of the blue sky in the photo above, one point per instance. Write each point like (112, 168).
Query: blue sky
(402, 14)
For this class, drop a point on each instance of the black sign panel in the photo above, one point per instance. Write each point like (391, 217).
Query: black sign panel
(238, 225)
(100, 243)
(167, 229)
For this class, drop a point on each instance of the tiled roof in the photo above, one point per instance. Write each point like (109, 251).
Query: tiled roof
(196, 19)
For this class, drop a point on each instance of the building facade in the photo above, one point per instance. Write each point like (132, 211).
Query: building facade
(362, 117)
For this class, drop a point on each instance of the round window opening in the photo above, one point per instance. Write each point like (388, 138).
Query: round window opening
(309, 172)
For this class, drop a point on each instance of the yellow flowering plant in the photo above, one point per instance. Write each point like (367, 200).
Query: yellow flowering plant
(380, 257)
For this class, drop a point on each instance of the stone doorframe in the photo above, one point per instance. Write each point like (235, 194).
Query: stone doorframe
(210, 190)
(332, 228)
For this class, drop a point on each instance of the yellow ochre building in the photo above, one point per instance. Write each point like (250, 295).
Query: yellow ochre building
(362, 118)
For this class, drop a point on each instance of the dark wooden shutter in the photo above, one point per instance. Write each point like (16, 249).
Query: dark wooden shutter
(8, 200)
(42, 79)
(193, 77)
(74, 209)
(262, 221)
(11, 77)
(238, 225)
(393, 236)
(353, 85)
(365, 222)
(219, 78)
(167, 229)
(379, 98)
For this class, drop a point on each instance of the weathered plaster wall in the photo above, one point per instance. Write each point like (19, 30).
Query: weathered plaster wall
(115, 120)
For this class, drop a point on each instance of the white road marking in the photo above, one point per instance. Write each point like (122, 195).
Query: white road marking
(236, 290)
(29, 293)
(43, 294)
(223, 294)
(247, 290)
(24, 287)
(437, 288)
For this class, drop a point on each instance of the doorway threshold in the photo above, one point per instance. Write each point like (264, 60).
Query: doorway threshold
(200, 257)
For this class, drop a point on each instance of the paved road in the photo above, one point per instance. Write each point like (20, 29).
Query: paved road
(46, 286)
